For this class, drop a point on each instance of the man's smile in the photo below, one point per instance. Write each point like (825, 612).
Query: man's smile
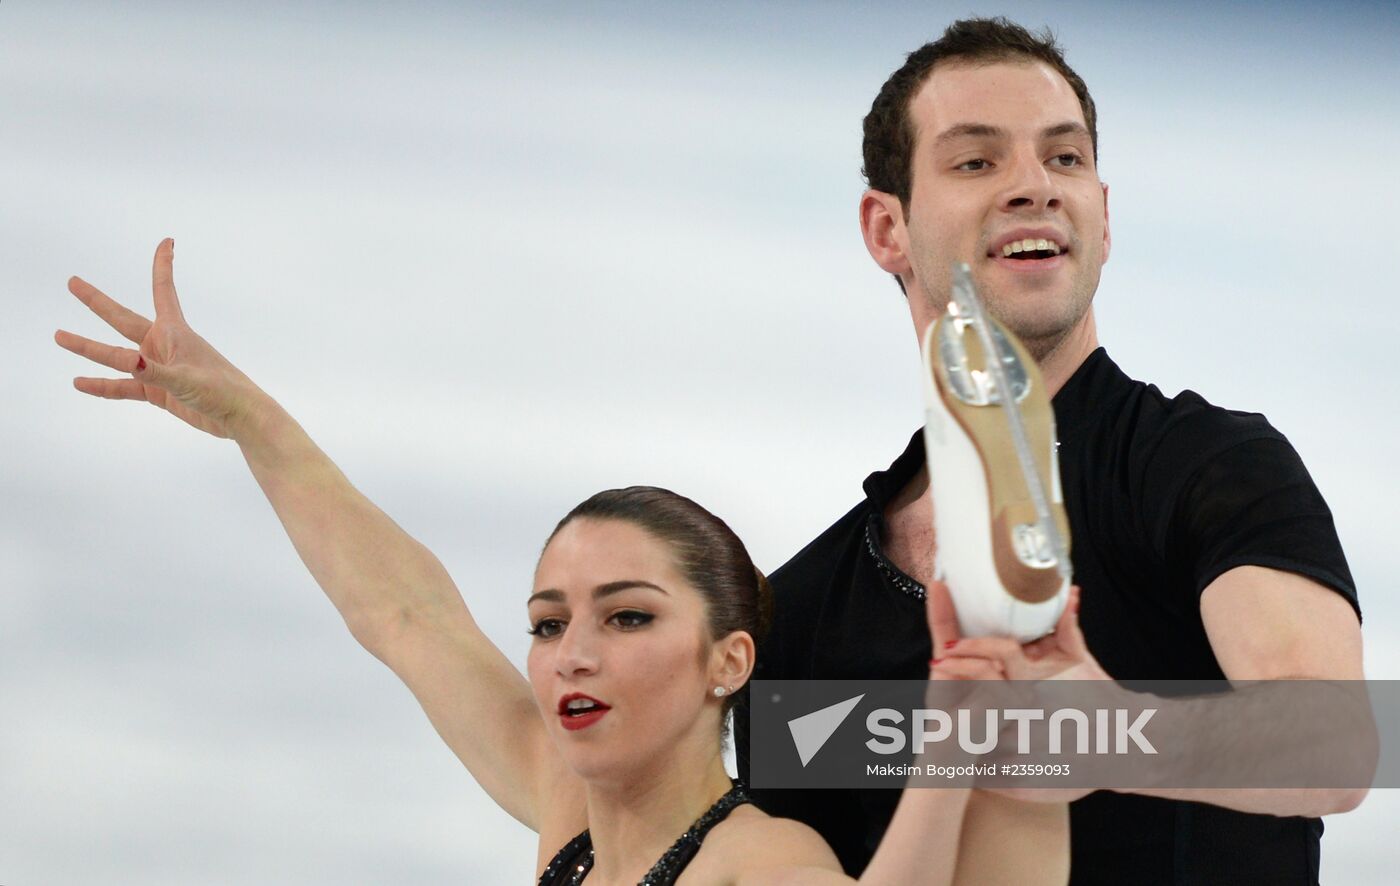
(1030, 249)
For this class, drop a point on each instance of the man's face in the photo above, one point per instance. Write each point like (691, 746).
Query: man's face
(1002, 156)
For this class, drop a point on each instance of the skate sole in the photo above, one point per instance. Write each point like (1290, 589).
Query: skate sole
(1010, 503)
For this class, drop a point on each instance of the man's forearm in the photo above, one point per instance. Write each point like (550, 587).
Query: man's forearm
(1281, 747)
(1314, 733)
(1310, 802)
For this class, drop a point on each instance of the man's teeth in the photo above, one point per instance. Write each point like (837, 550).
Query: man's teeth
(1030, 245)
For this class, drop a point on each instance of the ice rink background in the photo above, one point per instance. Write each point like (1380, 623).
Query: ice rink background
(496, 259)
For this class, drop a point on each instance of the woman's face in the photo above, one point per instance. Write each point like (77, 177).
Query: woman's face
(621, 657)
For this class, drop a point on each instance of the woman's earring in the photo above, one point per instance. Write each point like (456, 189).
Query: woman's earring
(719, 691)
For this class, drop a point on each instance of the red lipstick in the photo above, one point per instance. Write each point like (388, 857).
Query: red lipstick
(579, 711)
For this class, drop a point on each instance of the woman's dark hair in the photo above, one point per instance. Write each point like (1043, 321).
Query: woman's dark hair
(709, 555)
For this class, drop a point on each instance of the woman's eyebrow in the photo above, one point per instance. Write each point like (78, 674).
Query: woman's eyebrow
(614, 587)
(552, 595)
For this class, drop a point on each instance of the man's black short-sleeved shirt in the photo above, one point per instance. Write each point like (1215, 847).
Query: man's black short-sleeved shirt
(1163, 496)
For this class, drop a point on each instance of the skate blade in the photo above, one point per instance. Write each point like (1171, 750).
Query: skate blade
(1024, 554)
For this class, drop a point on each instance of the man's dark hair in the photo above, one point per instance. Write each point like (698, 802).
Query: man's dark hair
(889, 131)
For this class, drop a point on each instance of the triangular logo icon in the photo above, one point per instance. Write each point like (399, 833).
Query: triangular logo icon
(810, 731)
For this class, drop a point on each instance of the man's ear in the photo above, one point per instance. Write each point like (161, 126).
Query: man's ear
(882, 226)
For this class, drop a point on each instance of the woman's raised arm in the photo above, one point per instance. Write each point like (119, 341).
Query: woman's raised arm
(396, 598)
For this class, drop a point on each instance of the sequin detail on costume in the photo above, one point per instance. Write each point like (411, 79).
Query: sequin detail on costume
(888, 569)
(572, 863)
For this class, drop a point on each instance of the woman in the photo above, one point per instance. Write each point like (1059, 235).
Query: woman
(643, 615)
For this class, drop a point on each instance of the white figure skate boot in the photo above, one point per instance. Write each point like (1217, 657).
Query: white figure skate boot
(999, 520)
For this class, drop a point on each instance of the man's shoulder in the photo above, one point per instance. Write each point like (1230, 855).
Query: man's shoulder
(1124, 412)
(1176, 436)
(822, 557)
(821, 553)
(1157, 432)
(803, 585)
(1163, 447)
(1189, 412)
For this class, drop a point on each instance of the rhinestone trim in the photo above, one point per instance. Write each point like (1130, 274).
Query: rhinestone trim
(891, 572)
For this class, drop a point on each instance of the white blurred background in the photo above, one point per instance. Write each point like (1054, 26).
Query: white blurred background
(498, 258)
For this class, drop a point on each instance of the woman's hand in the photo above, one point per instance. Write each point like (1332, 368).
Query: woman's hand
(943, 626)
(171, 367)
(1060, 655)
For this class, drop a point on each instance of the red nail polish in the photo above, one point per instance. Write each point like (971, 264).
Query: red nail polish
(950, 644)
(140, 363)
(934, 661)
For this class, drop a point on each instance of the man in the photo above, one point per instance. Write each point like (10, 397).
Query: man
(1203, 549)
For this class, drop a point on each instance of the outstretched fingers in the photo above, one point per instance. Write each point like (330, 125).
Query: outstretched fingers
(112, 388)
(131, 325)
(144, 372)
(111, 356)
(163, 281)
